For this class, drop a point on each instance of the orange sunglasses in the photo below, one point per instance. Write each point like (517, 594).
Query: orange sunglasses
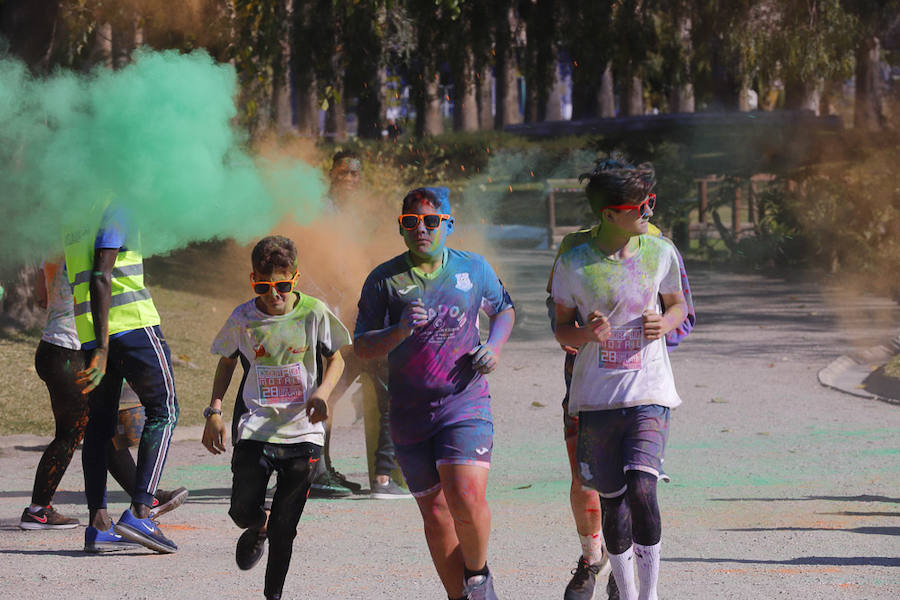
(411, 221)
(282, 287)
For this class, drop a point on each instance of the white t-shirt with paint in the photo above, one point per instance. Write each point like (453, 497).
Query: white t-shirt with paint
(626, 370)
(60, 328)
(279, 352)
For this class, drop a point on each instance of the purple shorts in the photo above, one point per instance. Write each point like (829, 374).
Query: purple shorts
(611, 442)
(464, 443)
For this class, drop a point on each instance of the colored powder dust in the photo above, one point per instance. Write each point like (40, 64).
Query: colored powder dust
(157, 137)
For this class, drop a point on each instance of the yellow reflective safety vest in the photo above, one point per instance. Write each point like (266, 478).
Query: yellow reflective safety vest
(131, 306)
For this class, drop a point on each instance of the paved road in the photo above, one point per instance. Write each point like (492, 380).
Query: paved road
(781, 488)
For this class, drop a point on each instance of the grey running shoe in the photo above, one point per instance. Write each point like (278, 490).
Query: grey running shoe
(584, 578)
(612, 590)
(46, 518)
(249, 549)
(165, 501)
(480, 587)
(389, 491)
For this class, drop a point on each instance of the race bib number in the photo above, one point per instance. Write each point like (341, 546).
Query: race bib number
(281, 384)
(622, 350)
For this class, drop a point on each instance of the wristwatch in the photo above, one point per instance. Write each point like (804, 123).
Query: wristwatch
(209, 410)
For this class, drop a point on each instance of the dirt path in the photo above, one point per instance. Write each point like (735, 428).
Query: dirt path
(781, 488)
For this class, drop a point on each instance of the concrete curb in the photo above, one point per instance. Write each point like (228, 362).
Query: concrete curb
(847, 373)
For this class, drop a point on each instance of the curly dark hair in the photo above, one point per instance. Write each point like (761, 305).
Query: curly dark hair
(273, 253)
(615, 181)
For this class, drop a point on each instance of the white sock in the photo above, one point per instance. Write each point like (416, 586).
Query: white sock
(647, 558)
(34, 508)
(623, 571)
(592, 547)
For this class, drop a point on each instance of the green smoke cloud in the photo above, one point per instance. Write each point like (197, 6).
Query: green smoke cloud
(156, 136)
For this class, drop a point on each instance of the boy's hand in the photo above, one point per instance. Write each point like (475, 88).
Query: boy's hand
(413, 316)
(597, 328)
(484, 358)
(653, 325)
(316, 409)
(90, 377)
(214, 434)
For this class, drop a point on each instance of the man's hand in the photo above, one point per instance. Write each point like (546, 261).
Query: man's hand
(90, 377)
(214, 434)
(414, 316)
(316, 409)
(597, 328)
(484, 358)
(653, 325)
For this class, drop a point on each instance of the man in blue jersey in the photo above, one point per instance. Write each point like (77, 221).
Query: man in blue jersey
(420, 309)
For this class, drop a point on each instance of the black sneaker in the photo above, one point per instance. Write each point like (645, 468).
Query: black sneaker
(612, 589)
(584, 579)
(165, 501)
(330, 484)
(389, 491)
(249, 549)
(350, 485)
(46, 518)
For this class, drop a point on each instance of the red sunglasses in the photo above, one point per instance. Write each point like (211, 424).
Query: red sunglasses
(645, 207)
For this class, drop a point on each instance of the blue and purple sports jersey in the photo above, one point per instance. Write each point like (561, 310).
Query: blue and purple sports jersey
(431, 381)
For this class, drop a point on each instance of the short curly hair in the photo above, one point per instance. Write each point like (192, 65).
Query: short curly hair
(273, 253)
(615, 181)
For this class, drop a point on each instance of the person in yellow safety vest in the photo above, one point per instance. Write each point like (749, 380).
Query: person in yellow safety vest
(118, 327)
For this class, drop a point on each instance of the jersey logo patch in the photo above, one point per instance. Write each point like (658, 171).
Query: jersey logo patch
(407, 289)
(463, 282)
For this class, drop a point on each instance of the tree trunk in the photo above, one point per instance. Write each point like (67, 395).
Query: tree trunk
(585, 94)
(606, 98)
(507, 67)
(433, 119)
(282, 77)
(486, 99)
(103, 46)
(681, 100)
(632, 95)
(308, 107)
(803, 95)
(17, 306)
(868, 107)
(553, 108)
(30, 27)
(465, 110)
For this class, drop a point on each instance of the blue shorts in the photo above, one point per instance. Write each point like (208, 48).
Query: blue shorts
(611, 442)
(464, 443)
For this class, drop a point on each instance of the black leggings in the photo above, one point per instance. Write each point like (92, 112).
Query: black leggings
(633, 515)
(57, 366)
(252, 464)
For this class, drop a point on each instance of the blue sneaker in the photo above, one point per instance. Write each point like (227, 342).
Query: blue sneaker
(96, 541)
(145, 532)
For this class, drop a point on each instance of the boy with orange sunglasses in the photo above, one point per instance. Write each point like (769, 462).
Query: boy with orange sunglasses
(277, 336)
